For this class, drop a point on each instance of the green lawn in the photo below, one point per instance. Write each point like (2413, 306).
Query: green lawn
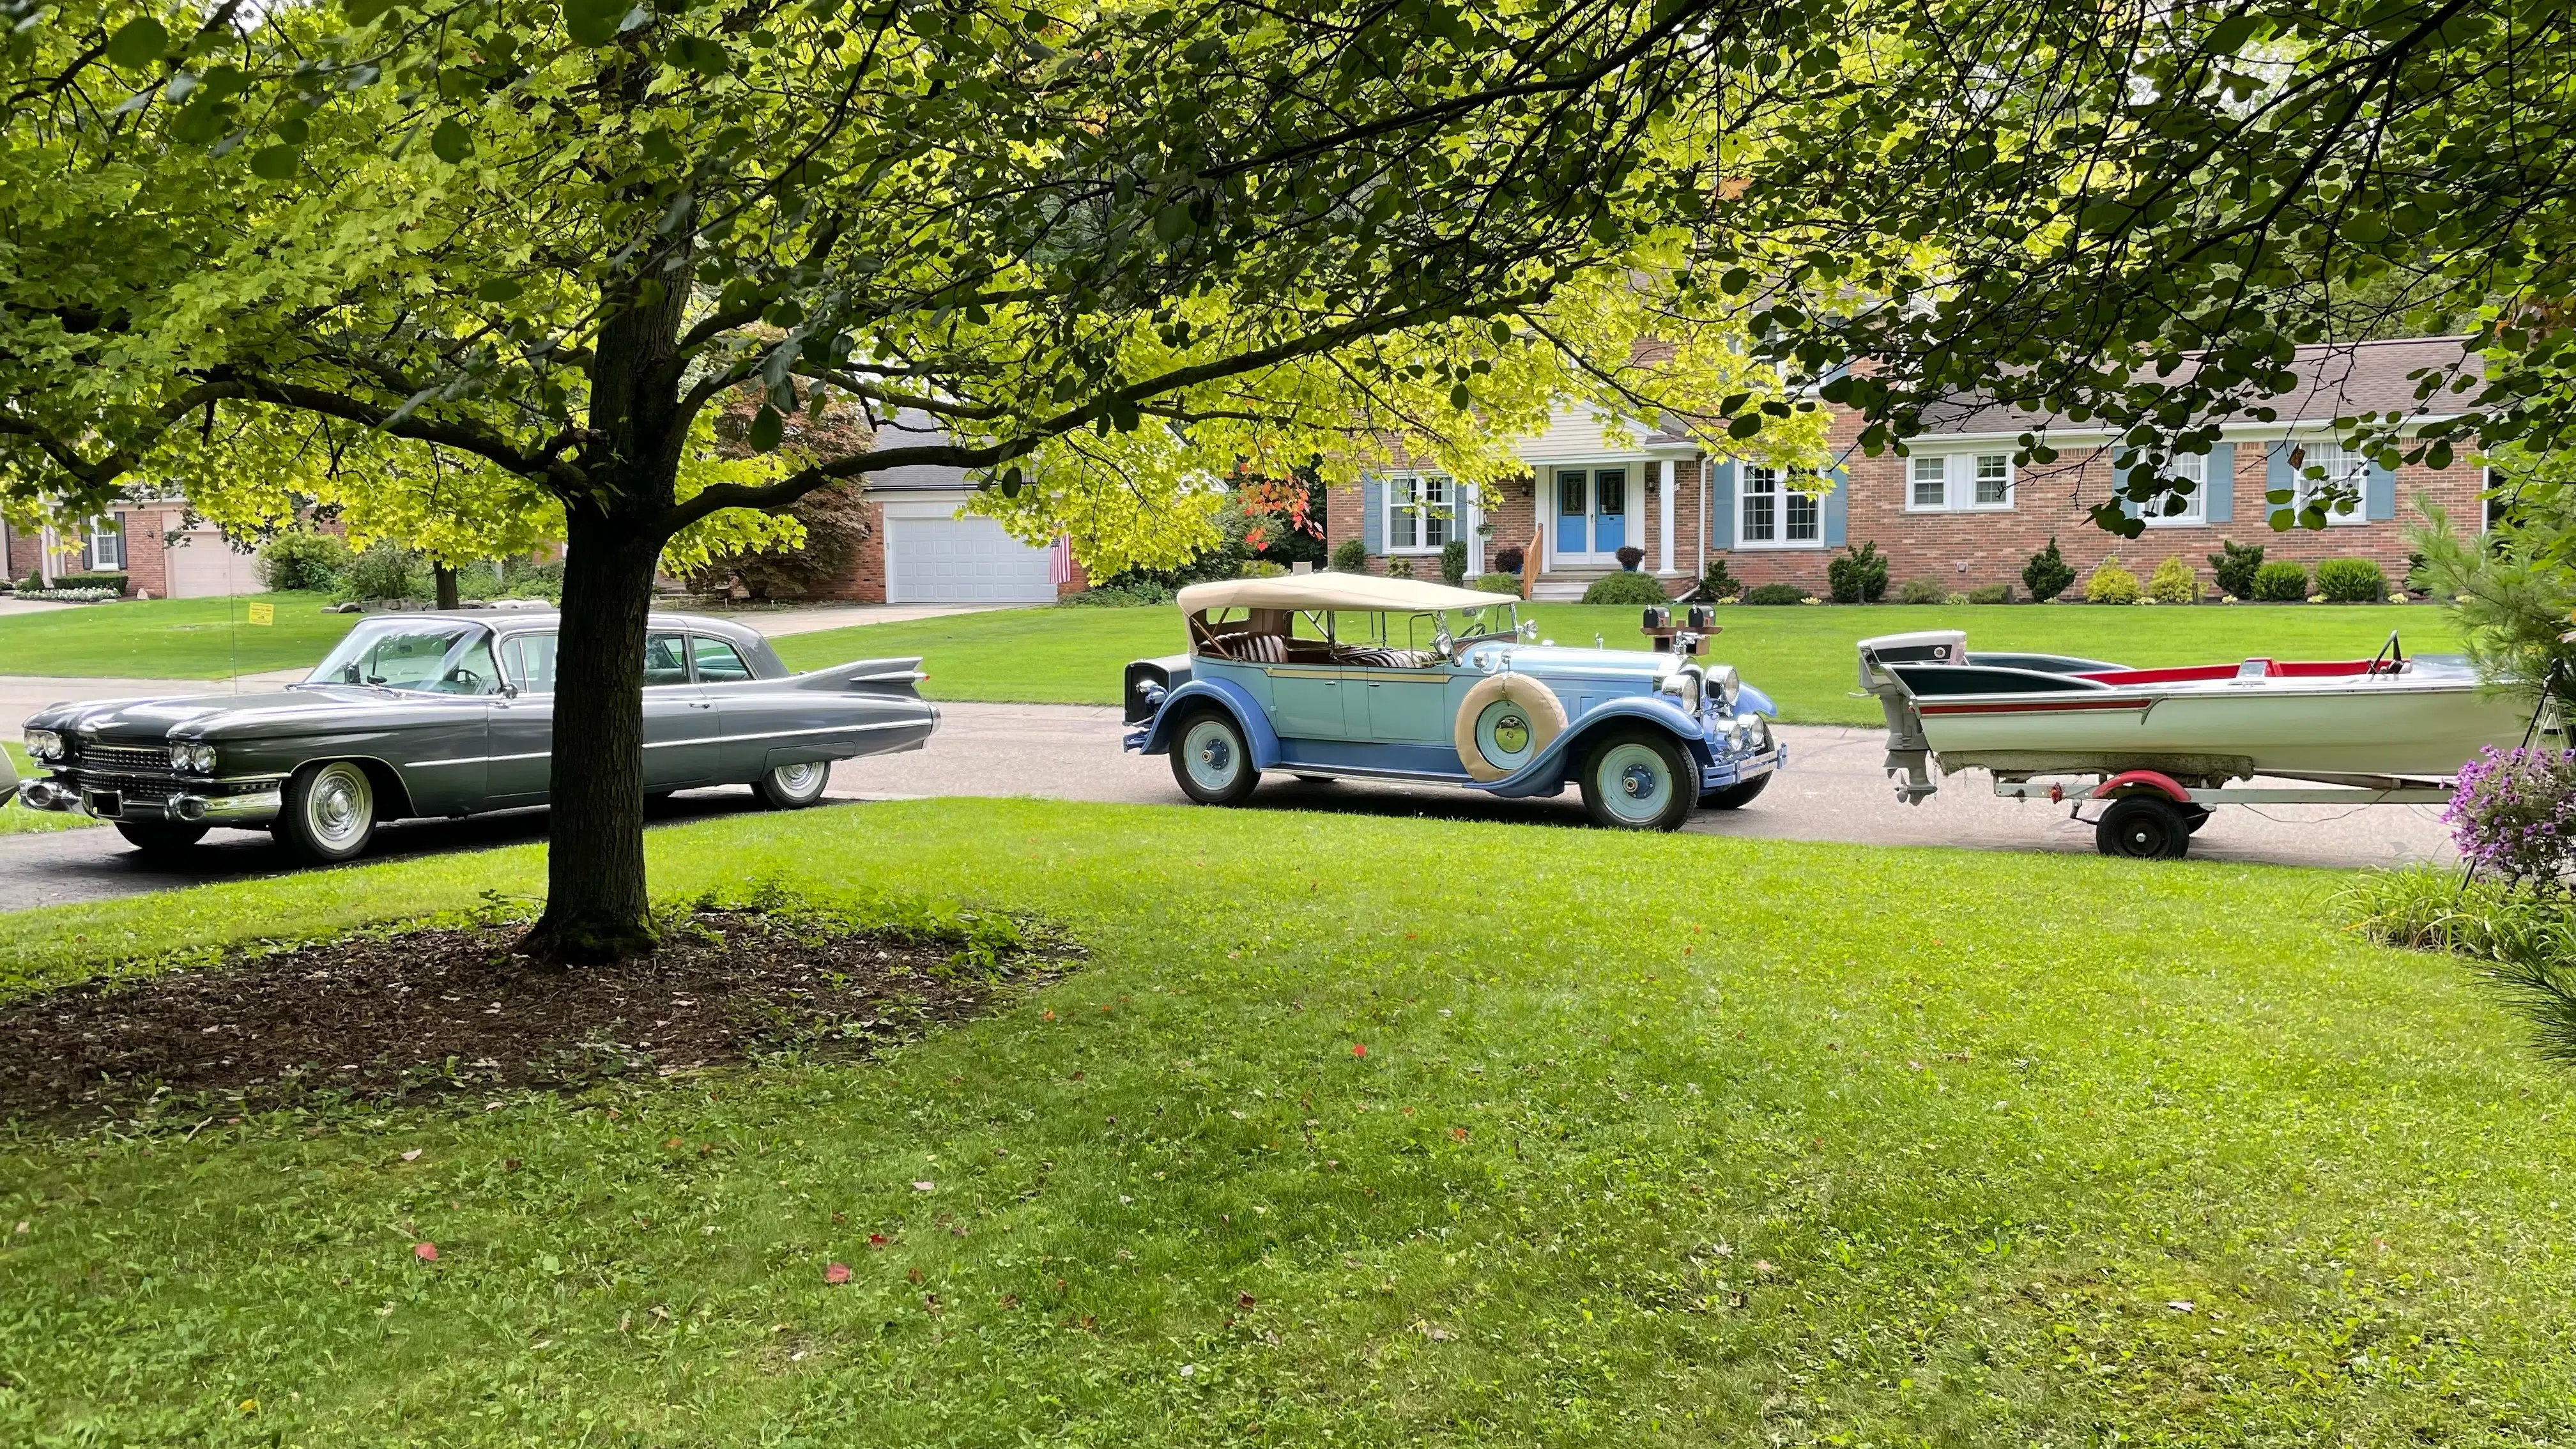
(1802, 657)
(17, 819)
(1673, 1140)
(171, 638)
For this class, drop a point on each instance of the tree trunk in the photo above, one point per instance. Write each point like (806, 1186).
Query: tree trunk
(596, 907)
(445, 580)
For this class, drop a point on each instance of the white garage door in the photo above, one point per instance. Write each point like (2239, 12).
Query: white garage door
(203, 566)
(962, 561)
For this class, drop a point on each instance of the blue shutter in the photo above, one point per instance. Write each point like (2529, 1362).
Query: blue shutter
(2277, 476)
(2221, 484)
(1373, 516)
(1721, 504)
(2379, 494)
(1836, 511)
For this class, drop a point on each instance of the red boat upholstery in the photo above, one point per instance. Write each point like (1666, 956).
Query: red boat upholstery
(2272, 669)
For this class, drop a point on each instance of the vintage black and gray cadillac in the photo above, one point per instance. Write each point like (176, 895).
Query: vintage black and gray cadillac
(453, 714)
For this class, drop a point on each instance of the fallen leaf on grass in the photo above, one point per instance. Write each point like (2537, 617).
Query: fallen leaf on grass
(412, 1156)
(923, 1186)
(1359, 1048)
(2180, 1305)
(876, 1240)
(836, 1273)
(426, 1252)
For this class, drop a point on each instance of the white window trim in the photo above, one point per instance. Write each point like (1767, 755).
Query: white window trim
(1743, 481)
(1388, 508)
(2198, 517)
(1959, 482)
(2303, 487)
(103, 526)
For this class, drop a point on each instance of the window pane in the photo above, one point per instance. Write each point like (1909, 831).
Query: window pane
(1760, 520)
(396, 656)
(530, 659)
(1931, 482)
(1610, 492)
(1994, 478)
(1802, 518)
(1569, 492)
(1400, 528)
(666, 659)
(717, 661)
(472, 674)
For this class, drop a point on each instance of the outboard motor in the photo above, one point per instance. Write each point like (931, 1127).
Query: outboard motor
(1908, 752)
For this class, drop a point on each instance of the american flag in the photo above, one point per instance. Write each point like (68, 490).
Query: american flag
(1060, 559)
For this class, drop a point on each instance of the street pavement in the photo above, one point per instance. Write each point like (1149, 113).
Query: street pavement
(1833, 791)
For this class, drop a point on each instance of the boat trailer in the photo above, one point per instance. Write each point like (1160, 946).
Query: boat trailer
(2151, 815)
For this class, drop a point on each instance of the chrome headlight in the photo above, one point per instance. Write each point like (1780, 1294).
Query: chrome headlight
(1682, 686)
(1723, 683)
(44, 745)
(199, 759)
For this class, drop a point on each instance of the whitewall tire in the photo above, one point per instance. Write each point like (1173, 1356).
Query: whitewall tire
(793, 787)
(330, 812)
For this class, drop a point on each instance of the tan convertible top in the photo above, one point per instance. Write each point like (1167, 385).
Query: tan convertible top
(1346, 593)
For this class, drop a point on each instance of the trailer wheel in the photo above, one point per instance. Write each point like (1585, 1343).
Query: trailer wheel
(2143, 827)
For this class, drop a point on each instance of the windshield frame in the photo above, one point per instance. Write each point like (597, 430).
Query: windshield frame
(470, 633)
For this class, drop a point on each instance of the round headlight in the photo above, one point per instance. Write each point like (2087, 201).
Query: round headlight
(44, 745)
(195, 757)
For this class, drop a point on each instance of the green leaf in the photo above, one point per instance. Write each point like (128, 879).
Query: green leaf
(593, 22)
(294, 132)
(1458, 398)
(768, 429)
(499, 289)
(273, 163)
(451, 142)
(1172, 222)
(1745, 426)
(1011, 483)
(698, 53)
(1502, 332)
(1735, 281)
(137, 43)
(362, 11)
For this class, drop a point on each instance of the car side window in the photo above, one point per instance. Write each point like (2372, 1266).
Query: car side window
(717, 661)
(530, 658)
(666, 659)
(474, 673)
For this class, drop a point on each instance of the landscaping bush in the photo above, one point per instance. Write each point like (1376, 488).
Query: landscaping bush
(2111, 584)
(1133, 595)
(1350, 556)
(1629, 556)
(1453, 562)
(1625, 587)
(387, 570)
(300, 561)
(2281, 582)
(2352, 581)
(1990, 594)
(1859, 576)
(1717, 583)
(2234, 566)
(1262, 568)
(1509, 558)
(2047, 574)
(113, 583)
(1775, 594)
(1923, 591)
(1398, 566)
(2173, 582)
(1499, 584)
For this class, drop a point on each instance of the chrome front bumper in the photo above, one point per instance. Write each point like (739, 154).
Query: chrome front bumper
(252, 808)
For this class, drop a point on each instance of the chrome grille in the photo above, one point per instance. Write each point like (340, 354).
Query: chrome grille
(121, 757)
(131, 788)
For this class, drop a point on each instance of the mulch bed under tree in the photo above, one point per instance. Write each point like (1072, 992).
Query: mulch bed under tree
(422, 1013)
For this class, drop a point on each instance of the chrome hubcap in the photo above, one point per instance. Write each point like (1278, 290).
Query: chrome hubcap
(797, 779)
(339, 805)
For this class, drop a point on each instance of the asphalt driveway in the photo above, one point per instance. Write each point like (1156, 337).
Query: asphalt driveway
(1833, 790)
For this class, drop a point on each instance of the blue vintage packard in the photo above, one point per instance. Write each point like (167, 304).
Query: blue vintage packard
(1337, 674)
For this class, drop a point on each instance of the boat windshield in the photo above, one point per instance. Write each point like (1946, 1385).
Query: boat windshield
(441, 657)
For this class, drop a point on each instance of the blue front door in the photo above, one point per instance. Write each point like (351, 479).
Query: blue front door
(1591, 514)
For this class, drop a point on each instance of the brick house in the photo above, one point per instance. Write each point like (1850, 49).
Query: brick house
(153, 542)
(1956, 508)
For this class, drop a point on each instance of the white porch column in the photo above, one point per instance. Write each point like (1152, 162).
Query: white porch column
(1472, 522)
(1664, 518)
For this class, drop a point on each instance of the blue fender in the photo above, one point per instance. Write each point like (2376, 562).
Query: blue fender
(1234, 699)
(1547, 772)
(1749, 700)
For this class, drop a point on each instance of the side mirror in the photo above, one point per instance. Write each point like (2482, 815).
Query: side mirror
(509, 691)
(1529, 631)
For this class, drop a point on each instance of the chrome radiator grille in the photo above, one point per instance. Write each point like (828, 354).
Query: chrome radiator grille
(120, 757)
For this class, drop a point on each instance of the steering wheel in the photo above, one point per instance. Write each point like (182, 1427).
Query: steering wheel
(2390, 651)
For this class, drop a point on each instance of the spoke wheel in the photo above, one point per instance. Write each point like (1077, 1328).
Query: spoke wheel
(793, 787)
(1638, 780)
(330, 812)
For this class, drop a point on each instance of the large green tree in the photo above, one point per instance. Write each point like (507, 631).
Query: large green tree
(1107, 245)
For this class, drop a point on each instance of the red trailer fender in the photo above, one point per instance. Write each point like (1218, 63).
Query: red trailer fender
(2129, 782)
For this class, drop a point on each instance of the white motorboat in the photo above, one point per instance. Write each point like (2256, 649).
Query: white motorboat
(2389, 727)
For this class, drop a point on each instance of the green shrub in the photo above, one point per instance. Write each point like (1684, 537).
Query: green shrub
(302, 561)
(1350, 555)
(1859, 576)
(1262, 568)
(2173, 582)
(387, 570)
(1990, 594)
(2352, 581)
(1625, 587)
(1775, 594)
(1136, 595)
(1923, 591)
(2111, 584)
(2234, 566)
(1499, 584)
(2047, 574)
(1398, 566)
(1453, 562)
(114, 581)
(2281, 582)
(1717, 583)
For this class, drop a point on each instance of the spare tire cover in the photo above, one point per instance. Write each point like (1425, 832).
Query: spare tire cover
(1503, 724)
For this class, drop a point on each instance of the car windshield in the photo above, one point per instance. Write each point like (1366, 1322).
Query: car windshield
(429, 658)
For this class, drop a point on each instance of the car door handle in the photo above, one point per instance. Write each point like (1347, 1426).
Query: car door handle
(702, 704)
